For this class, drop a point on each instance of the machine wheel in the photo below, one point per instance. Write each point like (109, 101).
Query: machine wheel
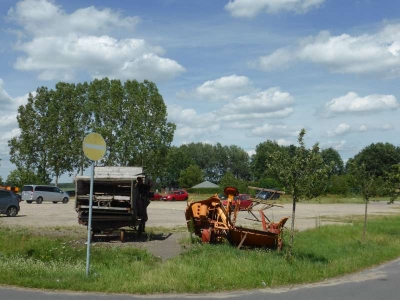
(206, 235)
(65, 200)
(12, 211)
(39, 200)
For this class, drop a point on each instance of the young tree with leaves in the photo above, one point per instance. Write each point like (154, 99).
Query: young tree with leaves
(368, 185)
(301, 172)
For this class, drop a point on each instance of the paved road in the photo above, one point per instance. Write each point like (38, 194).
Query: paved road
(374, 284)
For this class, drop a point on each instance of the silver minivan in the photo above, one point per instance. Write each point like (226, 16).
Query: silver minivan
(40, 193)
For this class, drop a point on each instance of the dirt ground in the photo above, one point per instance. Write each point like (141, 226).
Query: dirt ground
(61, 219)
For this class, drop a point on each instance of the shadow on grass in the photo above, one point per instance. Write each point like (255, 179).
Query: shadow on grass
(131, 237)
(310, 257)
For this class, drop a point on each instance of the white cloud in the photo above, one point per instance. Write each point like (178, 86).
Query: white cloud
(337, 145)
(8, 103)
(280, 59)
(5, 98)
(285, 142)
(63, 44)
(377, 54)
(251, 8)
(387, 127)
(8, 119)
(363, 128)
(352, 103)
(242, 113)
(270, 131)
(225, 88)
(45, 18)
(269, 103)
(189, 124)
(342, 129)
(10, 134)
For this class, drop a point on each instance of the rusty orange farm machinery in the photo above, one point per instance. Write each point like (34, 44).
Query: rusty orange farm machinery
(213, 222)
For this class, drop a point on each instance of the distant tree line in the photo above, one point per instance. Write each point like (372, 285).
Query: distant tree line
(132, 118)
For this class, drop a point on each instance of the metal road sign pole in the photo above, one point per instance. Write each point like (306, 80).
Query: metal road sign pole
(94, 148)
(90, 221)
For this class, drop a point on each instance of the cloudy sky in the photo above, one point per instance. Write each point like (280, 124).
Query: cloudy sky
(237, 72)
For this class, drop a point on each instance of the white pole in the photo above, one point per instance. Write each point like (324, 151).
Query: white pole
(89, 237)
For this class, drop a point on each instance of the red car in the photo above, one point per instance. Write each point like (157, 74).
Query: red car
(180, 195)
(156, 197)
(245, 201)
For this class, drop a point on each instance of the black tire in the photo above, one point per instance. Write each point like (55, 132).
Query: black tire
(65, 200)
(39, 200)
(29, 202)
(173, 199)
(186, 199)
(12, 211)
(55, 202)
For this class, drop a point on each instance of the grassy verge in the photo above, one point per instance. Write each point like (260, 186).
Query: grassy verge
(325, 252)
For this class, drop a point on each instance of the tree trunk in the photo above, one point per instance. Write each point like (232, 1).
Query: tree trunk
(292, 227)
(365, 220)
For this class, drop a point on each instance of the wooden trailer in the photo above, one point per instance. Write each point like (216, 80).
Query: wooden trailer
(120, 199)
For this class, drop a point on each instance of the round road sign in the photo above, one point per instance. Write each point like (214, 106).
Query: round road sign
(94, 146)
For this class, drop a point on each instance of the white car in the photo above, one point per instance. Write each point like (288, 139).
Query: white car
(40, 193)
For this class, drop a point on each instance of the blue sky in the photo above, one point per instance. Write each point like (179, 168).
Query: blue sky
(235, 72)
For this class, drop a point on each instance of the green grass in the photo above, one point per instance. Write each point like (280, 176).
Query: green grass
(53, 262)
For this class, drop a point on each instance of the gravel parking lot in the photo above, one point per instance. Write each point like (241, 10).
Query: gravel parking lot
(171, 214)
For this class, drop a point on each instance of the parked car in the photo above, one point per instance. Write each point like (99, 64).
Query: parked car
(40, 193)
(156, 197)
(267, 195)
(222, 196)
(9, 203)
(180, 195)
(245, 201)
(71, 193)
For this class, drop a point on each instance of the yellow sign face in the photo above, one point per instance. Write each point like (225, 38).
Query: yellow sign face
(94, 146)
